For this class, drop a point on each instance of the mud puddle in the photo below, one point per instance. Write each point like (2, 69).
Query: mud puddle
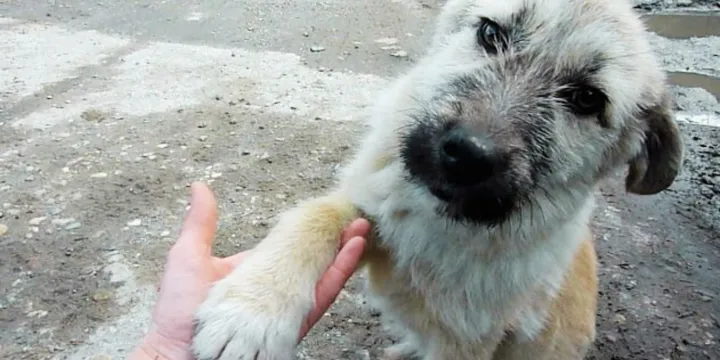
(684, 26)
(711, 84)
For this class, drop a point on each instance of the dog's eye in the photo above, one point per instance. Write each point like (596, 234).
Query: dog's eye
(587, 100)
(490, 36)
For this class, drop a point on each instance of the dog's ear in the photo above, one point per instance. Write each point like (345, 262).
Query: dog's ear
(657, 165)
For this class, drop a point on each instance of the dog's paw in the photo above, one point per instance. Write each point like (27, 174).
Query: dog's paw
(401, 351)
(407, 349)
(232, 326)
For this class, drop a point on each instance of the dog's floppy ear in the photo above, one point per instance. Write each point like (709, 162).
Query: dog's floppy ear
(655, 168)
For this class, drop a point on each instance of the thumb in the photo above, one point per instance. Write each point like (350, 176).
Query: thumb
(200, 222)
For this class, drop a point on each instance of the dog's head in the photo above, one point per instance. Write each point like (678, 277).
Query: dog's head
(518, 98)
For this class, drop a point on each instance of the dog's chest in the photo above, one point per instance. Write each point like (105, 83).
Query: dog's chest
(435, 271)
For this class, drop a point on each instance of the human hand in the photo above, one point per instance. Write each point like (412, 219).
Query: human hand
(191, 270)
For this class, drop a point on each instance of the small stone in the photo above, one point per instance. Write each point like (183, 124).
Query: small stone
(102, 295)
(49, 97)
(365, 354)
(30, 178)
(264, 156)
(162, 146)
(135, 222)
(704, 295)
(36, 221)
(93, 115)
(99, 175)
(631, 284)
(317, 48)
(215, 175)
(38, 313)
(245, 153)
(3, 229)
(165, 233)
(619, 319)
(62, 222)
(73, 226)
(387, 41)
(399, 54)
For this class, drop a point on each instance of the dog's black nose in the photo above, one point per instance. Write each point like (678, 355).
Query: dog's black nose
(466, 158)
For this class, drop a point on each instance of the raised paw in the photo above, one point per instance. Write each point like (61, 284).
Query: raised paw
(401, 351)
(246, 326)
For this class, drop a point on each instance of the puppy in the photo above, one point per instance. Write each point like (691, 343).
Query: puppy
(478, 173)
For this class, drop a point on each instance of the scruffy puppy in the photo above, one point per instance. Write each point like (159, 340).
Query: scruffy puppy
(478, 173)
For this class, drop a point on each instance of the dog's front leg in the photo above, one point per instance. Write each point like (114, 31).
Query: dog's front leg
(258, 310)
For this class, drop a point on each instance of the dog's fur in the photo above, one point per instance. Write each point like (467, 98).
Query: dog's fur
(499, 268)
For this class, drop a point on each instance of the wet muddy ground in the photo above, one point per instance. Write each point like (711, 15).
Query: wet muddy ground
(108, 110)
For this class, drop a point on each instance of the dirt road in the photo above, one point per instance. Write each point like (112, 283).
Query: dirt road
(109, 109)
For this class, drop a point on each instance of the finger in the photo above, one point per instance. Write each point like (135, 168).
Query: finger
(359, 227)
(200, 222)
(334, 280)
(237, 259)
(228, 264)
(340, 271)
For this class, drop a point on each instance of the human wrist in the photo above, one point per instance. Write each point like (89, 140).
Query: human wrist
(155, 346)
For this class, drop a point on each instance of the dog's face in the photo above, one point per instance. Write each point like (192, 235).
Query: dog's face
(521, 98)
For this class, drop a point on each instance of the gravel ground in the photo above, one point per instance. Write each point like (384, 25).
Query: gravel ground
(108, 110)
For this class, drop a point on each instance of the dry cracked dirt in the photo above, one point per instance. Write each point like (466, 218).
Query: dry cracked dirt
(109, 109)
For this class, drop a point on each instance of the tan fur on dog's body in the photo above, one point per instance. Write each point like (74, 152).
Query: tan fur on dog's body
(522, 288)
(571, 319)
